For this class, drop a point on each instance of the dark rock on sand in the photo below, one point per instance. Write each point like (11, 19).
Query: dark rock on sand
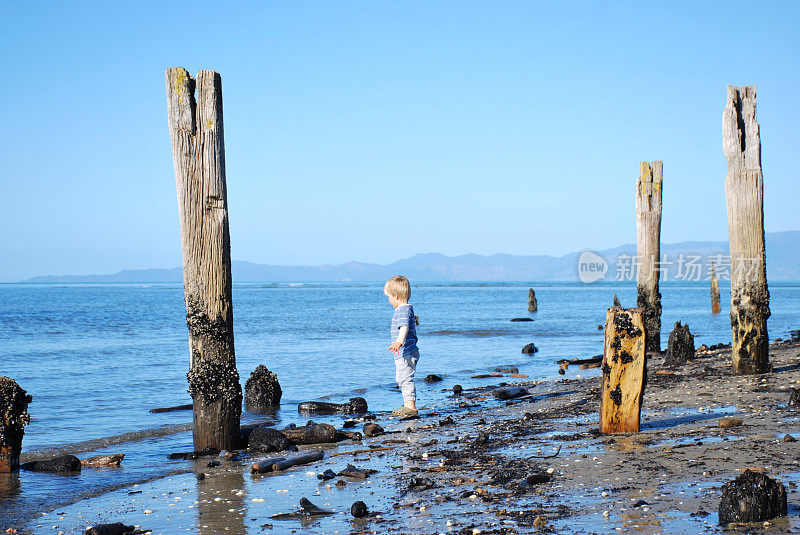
(262, 392)
(522, 319)
(64, 463)
(457, 389)
(729, 422)
(680, 347)
(117, 528)
(266, 440)
(481, 439)
(356, 473)
(349, 423)
(537, 478)
(446, 421)
(355, 406)
(421, 483)
(794, 397)
(510, 393)
(789, 438)
(326, 475)
(372, 430)
(359, 509)
(530, 349)
(752, 497)
(432, 378)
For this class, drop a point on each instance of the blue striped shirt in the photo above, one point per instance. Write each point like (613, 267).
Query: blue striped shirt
(404, 317)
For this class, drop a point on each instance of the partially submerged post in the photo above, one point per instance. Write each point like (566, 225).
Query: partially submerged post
(648, 250)
(13, 419)
(533, 306)
(744, 190)
(623, 371)
(198, 152)
(715, 303)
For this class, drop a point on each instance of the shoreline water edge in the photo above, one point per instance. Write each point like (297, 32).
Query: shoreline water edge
(478, 463)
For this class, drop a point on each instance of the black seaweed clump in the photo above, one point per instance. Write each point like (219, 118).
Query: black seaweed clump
(616, 395)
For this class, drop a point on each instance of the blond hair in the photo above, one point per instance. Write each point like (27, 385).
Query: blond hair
(399, 286)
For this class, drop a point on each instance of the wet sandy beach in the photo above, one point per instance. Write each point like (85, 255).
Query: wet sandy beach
(478, 464)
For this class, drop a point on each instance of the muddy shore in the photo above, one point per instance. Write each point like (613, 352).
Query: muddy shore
(478, 464)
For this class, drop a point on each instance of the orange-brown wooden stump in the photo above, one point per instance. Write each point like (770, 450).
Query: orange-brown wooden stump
(623, 371)
(13, 419)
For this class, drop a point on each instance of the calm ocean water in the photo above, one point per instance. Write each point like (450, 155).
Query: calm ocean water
(96, 358)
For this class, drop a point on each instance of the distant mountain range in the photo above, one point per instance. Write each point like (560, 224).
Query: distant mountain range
(783, 264)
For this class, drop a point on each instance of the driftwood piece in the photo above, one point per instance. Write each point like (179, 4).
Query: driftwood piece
(358, 452)
(744, 191)
(590, 360)
(623, 371)
(63, 463)
(262, 391)
(298, 460)
(266, 465)
(192, 455)
(13, 419)
(198, 152)
(356, 405)
(103, 460)
(186, 407)
(312, 434)
(533, 305)
(648, 247)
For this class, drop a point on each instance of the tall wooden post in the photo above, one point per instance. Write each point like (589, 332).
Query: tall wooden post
(198, 151)
(744, 190)
(13, 419)
(648, 250)
(533, 305)
(715, 300)
(624, 369)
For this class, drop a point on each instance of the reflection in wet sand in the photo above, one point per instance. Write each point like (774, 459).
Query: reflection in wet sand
(222, 507)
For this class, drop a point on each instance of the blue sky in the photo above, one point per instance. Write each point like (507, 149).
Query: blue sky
(374, 130)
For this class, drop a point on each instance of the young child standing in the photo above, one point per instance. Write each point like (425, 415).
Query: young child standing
(403, 335)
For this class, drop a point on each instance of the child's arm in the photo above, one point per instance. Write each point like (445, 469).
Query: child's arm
(398, 343)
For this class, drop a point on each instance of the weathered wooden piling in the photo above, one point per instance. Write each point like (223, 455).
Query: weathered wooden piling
(744, 190)
(198, 152)
(715, 302)
(648, 247)
(13, 419)
(533, 305)
(623, 371)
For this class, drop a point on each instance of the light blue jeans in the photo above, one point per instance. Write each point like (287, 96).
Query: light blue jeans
(405, 367)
